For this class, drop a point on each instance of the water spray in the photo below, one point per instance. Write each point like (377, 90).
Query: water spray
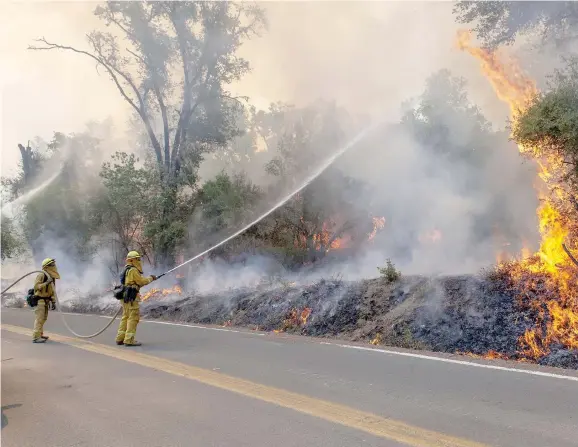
(7, 209)
(360, 136)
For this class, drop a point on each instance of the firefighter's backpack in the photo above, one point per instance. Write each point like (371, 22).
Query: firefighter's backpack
(31, 299)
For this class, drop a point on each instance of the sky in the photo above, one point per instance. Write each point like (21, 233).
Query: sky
(368, 56)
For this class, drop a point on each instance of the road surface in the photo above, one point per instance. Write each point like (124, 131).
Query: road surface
(192, 386)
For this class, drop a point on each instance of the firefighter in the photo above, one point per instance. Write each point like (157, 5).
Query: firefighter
(45, 293)
(133, 281)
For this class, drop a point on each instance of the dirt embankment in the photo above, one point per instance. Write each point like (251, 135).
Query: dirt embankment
(448, 314)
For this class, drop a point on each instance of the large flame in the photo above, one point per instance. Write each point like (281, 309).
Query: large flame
(546, 280)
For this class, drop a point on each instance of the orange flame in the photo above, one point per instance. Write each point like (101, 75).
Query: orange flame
(157, 293)
(323, 239)
(431, 236)
(550, 265)
(378, 224)
(376, 340)
(305, 315)
(295, 319)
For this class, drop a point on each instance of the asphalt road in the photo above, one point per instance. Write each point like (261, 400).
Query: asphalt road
(195, 386)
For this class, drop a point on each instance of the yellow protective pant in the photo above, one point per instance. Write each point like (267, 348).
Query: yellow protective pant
(128, 322)
(41, 313)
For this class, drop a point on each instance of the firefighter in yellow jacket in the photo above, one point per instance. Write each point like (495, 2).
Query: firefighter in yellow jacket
(45, 292)
(133, 281)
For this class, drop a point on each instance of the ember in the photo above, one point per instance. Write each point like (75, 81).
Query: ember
(376, 340)
(295, 319)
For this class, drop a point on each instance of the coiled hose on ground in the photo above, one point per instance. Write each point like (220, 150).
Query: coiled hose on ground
(60, 309)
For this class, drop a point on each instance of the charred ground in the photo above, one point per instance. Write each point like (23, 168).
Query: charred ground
(478, 315)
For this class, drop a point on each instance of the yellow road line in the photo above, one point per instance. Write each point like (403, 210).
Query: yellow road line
(332, 412)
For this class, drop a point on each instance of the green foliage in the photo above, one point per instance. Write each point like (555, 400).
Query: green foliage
(445, 121)
(551, 124)
(127, 188)
(120, 207)
(227, 201)
(166, 222)
(12, 244)
(549, 127)
(389, 272)
(165, 236)
(500, 22)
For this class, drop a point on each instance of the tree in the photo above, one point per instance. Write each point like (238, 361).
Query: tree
(500, 22)
(119, 208)
(197, 40)
(302, 138)
(549, 129)
(11, 244)
(31, 162)
(313, 221)
(173, 72)
(227, 201)
(447, 123)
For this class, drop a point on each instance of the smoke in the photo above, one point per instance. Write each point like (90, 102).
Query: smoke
(369, 58)
(439, 212)
(217, 276)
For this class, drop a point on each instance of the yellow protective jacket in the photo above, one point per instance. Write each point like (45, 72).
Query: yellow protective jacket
(135, 279)
(43, 287)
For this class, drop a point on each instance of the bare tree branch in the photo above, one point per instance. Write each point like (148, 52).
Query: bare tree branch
(163, 108)
(114, 72)
(53, 46)
(572, 258)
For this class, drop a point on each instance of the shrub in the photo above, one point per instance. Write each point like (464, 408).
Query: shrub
(389, 272)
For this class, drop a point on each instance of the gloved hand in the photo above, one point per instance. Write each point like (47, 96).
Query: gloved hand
(154, 277)
(52, 305)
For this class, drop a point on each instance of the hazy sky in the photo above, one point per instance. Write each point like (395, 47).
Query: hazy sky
(370, 56)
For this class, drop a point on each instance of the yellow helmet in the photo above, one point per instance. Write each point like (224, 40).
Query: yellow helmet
(47, 262)
(133, 255)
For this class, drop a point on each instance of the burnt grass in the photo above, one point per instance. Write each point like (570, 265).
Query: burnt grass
(453, 314)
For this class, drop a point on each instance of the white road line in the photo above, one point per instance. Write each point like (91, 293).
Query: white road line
(172, 324)
(363, 348)
(168, 323)
(203, 327)
(458, 362)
